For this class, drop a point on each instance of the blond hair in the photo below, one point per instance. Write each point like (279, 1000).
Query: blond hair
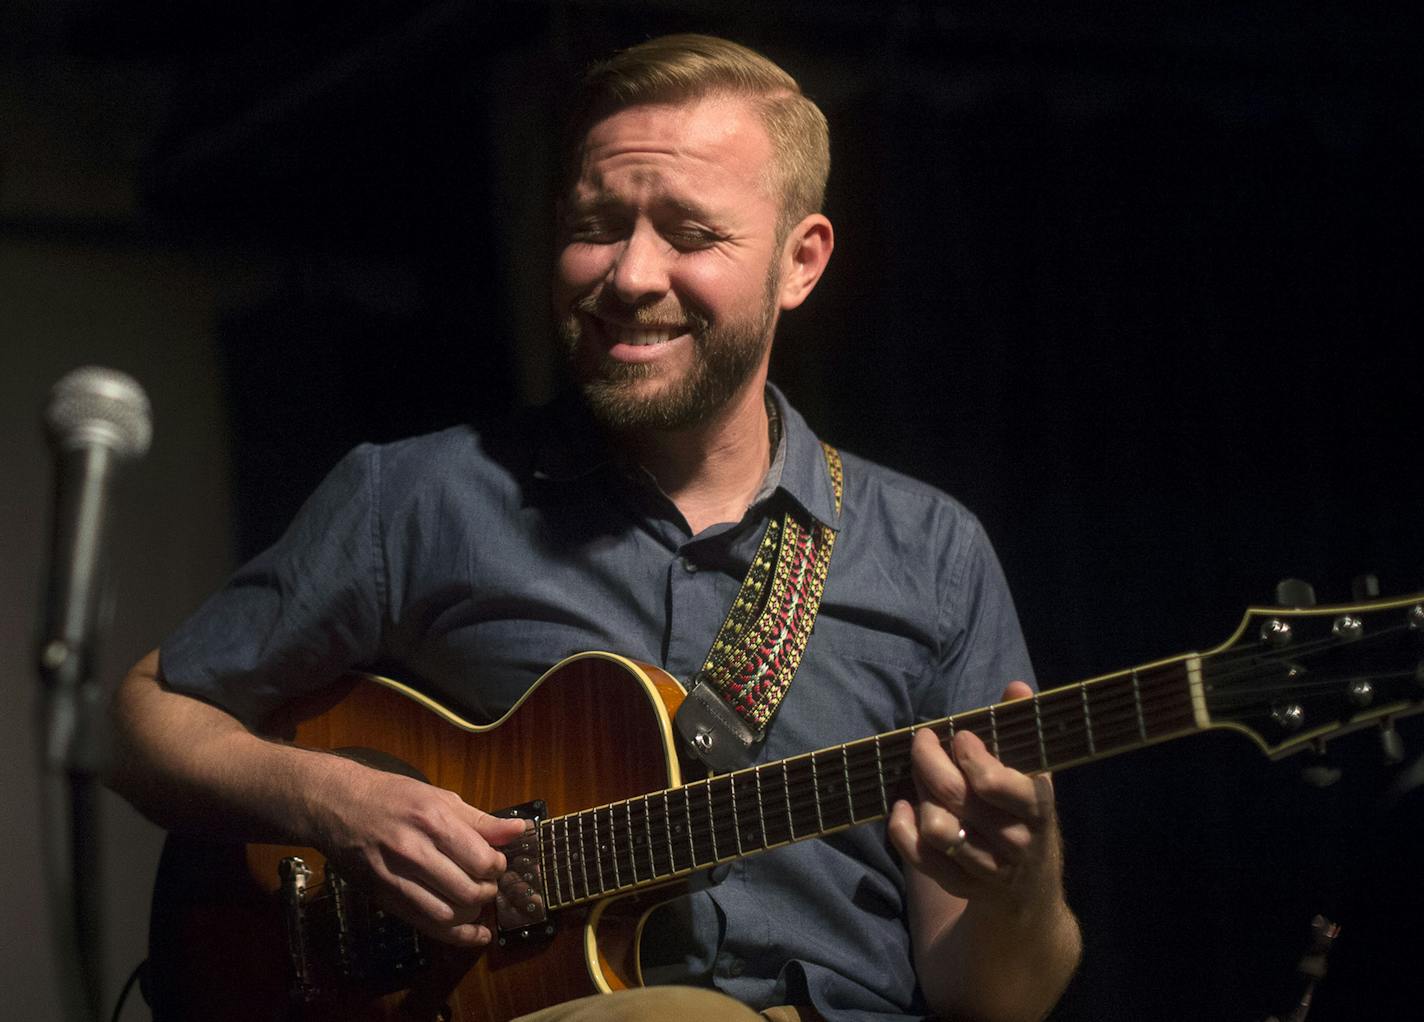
(685, 67)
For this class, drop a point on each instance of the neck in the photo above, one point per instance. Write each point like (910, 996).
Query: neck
(713, 470)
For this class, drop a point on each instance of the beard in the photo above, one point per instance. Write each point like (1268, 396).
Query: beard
(724, 357)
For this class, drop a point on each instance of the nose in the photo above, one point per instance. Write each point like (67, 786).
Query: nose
(640, 271)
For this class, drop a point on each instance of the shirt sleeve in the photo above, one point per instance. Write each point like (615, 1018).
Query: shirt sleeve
(300, 613)
(982, 646)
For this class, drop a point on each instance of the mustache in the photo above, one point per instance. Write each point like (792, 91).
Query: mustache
(605, 305)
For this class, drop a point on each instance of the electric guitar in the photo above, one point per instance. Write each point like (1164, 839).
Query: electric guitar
(262, 932)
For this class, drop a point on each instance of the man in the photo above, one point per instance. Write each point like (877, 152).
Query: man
(627, 520)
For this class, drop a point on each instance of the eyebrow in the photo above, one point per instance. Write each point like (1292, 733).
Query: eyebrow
(680, 207)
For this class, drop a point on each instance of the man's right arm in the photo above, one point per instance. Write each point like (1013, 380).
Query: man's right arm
(190, 766)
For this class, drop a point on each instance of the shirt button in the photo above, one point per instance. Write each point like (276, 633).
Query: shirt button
(734, 966)
(687, 565)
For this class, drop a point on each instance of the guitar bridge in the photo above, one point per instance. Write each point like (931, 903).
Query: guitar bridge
(294, 874)
(520, 908)
(338, 940)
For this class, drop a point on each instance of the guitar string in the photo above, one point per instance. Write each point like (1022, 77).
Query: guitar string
(1249, 662)
(1228, 681)
(675, 865)
(1250, 653)
(864, 775)
(865, 781)
(1106, 729)
(864, 785)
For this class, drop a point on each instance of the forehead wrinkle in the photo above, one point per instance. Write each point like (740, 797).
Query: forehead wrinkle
(639, 162)
(595, 194)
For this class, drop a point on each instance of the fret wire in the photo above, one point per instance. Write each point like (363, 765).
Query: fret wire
(583, 856)
(576, 869)
(648, 832)
(1026, 745)
(598, 854)
(880, 777)
(786, 791)
(1038, 726)
(1087, 718)
(711, 820)
(546, 862)
(558, 882)
(736, 818)
(540, 867)
(1008, 732)
(691, 844)
(868, 774)
(1108, 729)
(565, 859)
(632, 840)
(613, 849)
(1009, 738)
(845, 773)
(761, 809)
(667, 825)
(816, 790)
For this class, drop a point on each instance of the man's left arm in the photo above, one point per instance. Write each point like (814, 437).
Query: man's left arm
(993, 937)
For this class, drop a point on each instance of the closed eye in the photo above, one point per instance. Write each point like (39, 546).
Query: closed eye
(599, 231)
(691, 239)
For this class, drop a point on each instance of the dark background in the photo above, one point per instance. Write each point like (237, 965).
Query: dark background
(1137, 283)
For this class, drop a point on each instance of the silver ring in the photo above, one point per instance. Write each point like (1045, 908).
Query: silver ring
(958, 840)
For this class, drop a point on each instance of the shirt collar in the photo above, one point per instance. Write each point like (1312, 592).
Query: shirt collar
(569, 444)
(571, 447)
(804, 475)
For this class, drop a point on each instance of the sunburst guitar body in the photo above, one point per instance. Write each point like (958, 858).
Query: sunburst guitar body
(595, 730)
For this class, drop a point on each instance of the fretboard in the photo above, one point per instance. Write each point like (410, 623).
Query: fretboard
(665, 834)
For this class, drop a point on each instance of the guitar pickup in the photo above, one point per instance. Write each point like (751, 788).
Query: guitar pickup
(520, 906)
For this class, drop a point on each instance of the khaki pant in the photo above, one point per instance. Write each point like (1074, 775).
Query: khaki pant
(652, 1004)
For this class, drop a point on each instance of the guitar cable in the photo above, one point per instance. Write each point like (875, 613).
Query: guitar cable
(134, 977)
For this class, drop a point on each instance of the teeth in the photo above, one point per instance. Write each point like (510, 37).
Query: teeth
(642, 337)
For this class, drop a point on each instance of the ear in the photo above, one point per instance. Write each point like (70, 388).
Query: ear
(804, 255)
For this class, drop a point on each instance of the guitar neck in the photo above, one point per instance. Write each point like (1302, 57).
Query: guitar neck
(656, 837)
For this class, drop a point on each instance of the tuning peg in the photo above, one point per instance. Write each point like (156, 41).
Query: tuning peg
(1292, 592)
(1320, 773)
(1364, 587)
(1391, 745)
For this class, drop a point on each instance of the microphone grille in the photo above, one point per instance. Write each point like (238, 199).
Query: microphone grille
(95, 405)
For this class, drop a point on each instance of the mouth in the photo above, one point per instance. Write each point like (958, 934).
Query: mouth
(634, 342)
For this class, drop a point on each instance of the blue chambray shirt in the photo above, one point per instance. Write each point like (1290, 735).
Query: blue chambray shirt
(471, 562)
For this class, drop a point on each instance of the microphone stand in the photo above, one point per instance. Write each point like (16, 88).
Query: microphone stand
(71, 823)
(75, 756)
(96, 418)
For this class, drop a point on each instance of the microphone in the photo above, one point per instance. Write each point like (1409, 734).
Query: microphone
(96, 419)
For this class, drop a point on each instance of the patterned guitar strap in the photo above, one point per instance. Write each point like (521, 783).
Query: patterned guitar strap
(756, 652)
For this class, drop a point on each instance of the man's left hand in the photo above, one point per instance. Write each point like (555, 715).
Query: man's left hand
(981, 830)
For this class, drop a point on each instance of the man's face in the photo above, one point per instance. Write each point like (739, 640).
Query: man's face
(667, 280)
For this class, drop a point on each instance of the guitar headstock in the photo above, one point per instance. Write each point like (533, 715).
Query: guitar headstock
(1294, 677)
